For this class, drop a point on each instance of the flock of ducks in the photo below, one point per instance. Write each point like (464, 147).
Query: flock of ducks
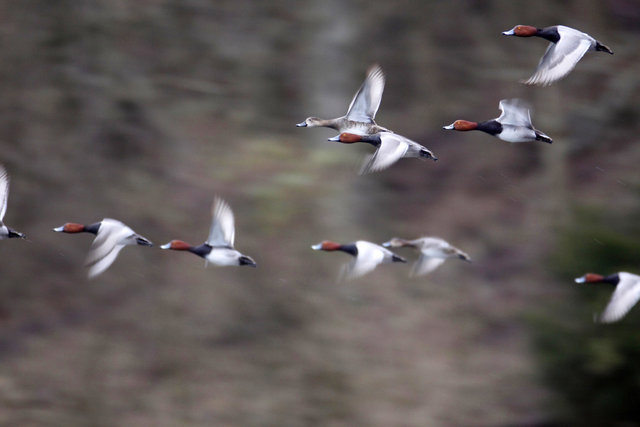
(513, 125)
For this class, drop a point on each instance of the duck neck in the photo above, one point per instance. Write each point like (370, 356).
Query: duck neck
(202, 251)
(492, 127)
(549, 33)
(92, 228)
(612, 279)
(371, 139)
(349, 248)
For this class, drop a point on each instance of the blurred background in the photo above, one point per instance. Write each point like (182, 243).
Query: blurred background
(143, 111)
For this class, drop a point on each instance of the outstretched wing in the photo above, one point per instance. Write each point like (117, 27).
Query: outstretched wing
(222, 232)
(4, 191)
(425, 264)
(365, 103)
(515, 112)
(392, 148)
(106, 246)
(368, 258)
(559, 59)
(625, 296)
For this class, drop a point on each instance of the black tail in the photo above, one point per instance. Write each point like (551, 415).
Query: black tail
(427, 154)
(542, 137)
(13, 234)
(397, 258)
(602, 48)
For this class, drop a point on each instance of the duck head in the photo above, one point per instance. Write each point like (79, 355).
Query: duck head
(521, 31)
(461, 125)
(326, 245)
(310, 122)
(176, 245)
(349, 138)
(598, 278)
(396, 242)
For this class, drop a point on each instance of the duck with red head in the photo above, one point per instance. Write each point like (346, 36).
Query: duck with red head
(625, 295)
(366, 256)
(111, 237)
(513, 125)
(362, 110)
(218, 249)
(567, 47)
(391, 147)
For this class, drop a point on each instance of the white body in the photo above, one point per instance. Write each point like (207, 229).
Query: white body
(4, 196)
(625, 296)
(392, 148)
(369, 257)
(222, 236)
(561, 57)
(111, 238)
(516, 121)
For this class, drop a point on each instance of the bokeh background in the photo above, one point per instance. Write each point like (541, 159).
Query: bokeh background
(143, 111)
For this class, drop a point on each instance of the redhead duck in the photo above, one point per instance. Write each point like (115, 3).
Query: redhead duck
(625, 296)
(111, 237)
(567, 47)
(6, 232)
(433, 252)
(391, 148)
(218, 249)
(513, 125)
(366, 256)
(362, 110)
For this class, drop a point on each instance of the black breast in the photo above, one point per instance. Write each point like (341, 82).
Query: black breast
(350, 249)
(549, 33)
(492, 127)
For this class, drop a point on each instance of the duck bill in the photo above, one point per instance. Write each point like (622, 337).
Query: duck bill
(581, 280)
(166, 246)
(448, 127)
(301, 125)
(334, 138)
(386, 244)
(509, 33)
(317, 247)
(59, 229)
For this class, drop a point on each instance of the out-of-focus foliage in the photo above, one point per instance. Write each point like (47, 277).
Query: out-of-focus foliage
(144, 110)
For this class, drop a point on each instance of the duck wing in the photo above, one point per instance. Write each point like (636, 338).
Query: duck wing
(560, 58)
(366, 101)
(625, 296)
(391, 149)
(368, 258)
(425, 264)
(4, 192)
(222, 232)
(106, 246)
(515, 112)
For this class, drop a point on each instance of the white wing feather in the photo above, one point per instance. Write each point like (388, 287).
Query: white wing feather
(222, 232)
(391, 149)
(4, 192)
(559, 59)
(366, 101)
(514, 112)
(625, 296)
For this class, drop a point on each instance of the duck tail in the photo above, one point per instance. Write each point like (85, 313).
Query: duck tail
(542, 137)
(397, 258)
(602, 48)
(427, 154)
